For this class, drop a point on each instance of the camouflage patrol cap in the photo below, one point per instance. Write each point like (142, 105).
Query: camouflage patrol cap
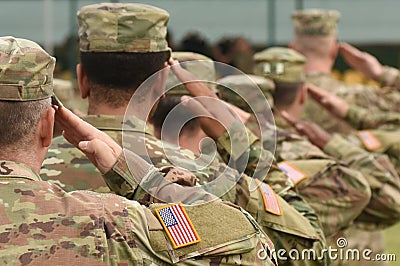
(315, 22)
(26, 70)
(280, 64)
(120, 27)
(200, 65)
(246, 85)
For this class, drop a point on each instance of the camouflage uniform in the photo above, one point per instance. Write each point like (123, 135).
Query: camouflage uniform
(323, 23)
(362, 118)
(323, 175)
(41, 223)
(297, 228)
(382, 209)
(390, 77)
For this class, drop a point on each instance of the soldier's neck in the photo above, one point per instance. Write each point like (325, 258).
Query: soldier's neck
(102, 109)
(318, 66)
(28, 158)
(294, 111)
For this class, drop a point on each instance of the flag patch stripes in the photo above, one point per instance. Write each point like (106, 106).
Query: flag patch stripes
(178, 226)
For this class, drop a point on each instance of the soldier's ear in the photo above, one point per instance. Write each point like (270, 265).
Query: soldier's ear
(83, 81)
(335, 50)
(303, 94)
(46, 127)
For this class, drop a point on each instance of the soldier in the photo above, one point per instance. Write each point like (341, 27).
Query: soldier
(380, 131)
(286, 67)
(368, 65)
(316, 38)
(42, 223)
(105, 77)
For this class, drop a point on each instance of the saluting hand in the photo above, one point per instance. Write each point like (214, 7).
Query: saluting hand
(317, 135)
(334, 104)
(101, 149)
(361, 61)
(215, 115)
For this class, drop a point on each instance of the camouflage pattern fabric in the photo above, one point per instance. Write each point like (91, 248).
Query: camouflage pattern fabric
(198, 64)
(330, 187)
(280, 64)
(229, 85)
(382, 209)
(315, 22)
(362, 118)
(390, 77)
(359, 239)
(361, 95)
(287, 235)
(105, 229)
(117, 27)
(27, 70)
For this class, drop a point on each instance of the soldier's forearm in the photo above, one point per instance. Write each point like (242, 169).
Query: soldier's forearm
(390, 77)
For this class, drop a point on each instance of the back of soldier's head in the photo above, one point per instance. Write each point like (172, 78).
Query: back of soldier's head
(315, 31)
(26, 85)
(121, 45)
(286, 68)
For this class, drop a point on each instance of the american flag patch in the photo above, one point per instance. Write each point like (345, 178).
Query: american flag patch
(177, 224)
(292, 172)
(369, 140)
(271, 202)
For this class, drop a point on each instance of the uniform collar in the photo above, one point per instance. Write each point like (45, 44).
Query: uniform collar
(15, 170)
(117, 123)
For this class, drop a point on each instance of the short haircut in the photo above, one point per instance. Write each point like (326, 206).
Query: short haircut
(164, 107)
(286, 92)
(315, 46)
(19, 121)
(114, 77)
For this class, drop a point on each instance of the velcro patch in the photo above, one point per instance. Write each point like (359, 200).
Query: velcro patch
(177, 224)
(369, 140)
(292, 172)
(271, 202)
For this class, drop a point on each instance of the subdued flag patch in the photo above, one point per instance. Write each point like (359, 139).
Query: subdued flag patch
(292, 172)
(369, 140)
(177, 224)
(271, 202)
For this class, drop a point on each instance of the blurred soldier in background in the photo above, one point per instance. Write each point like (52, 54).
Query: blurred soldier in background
(286, 67)
(316, 38)
(368, 65)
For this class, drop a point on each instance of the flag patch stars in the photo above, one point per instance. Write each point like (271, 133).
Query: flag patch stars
(177, 225)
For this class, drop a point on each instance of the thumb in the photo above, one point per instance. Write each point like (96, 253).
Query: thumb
(99, 153)
(83, 146)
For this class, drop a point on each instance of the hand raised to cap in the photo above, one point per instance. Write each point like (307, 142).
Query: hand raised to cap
(215, 115)
(334, 104)
(101, 149)
(361, 61)
(195, 88)
(317, 135)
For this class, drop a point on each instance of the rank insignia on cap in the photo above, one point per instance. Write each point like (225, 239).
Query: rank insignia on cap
(292, 172)
(271, 202)
(369, 140)
(178, 226)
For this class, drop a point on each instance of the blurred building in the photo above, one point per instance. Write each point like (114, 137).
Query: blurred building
(369, 24)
